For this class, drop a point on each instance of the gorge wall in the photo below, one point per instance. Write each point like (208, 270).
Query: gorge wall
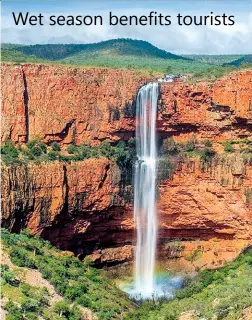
(205, 209)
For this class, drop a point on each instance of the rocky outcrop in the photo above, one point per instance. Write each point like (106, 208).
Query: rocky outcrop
(205, 212)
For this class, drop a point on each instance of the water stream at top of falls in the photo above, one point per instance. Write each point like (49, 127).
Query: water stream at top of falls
(145, 189)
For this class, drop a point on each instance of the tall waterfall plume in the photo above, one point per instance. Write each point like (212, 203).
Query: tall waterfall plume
(145, 189)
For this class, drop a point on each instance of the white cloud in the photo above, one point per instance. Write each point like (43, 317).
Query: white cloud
(174, 38)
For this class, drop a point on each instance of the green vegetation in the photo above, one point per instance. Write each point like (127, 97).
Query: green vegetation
(79, 283)
(9, 152)
(55, 146)
(124, 47)
(228, 146)
(214, 59)
(244, 146)
(35, 150)
(191, 148)
(13, 53)
(170, 153)
(124, 53)
(26, 302)
(213, 294)
(244, 61)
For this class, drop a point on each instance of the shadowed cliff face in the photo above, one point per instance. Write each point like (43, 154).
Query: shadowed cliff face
(81, 206)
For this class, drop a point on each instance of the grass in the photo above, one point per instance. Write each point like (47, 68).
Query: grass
(78, 282)
(213, 294)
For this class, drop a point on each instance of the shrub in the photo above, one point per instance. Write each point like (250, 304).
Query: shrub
(228, 147)
(106, 315)
(208, 143)
(86, 151)
(71, 278)
(31, 316)
(26, 289)
(169, 147)
(84, 301)
(29, 305)
(11, 278)
(71, 149)
(55, 146)
(64, 158)
(31, 144)
(62, 308)
(20, 258)
(9, 150)
(132, 143)
(52, 155)
(190, 146)
(36, 151)
(14, 312)
(42, 146)
(75, 291)
(59, 283)
(76, 314)
(4, 267)
(206, 155)
(35, 148)
(106, 149)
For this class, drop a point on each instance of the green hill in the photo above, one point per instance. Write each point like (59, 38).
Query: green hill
(115, 47)
(122, 54)
(244, 60)
(214, 59)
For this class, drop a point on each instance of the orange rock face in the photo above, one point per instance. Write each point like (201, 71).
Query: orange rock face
(211, 204)
(66, 104)
(208, 200)
(91, 105)
(217, 112)
(205, 211)
(69, 204)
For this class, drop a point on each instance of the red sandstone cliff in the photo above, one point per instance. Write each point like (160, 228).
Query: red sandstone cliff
(80, 206)
(218, 111)
(65, 104)
(90, 105)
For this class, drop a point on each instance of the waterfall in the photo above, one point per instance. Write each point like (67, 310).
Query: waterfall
(144, 189)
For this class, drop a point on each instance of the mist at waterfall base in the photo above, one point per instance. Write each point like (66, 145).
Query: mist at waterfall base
(147, 284)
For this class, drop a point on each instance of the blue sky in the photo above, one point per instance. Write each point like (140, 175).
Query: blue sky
(174, 38)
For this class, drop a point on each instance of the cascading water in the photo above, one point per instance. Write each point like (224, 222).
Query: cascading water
(146, 285)
(144, 189)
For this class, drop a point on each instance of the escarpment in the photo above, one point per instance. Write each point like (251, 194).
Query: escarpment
(67, 104)
(204, 205)
(218, 111)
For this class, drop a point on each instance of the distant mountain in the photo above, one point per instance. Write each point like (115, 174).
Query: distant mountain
(125, 54)
(246, 59)
(214, 59)
(116, 47)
